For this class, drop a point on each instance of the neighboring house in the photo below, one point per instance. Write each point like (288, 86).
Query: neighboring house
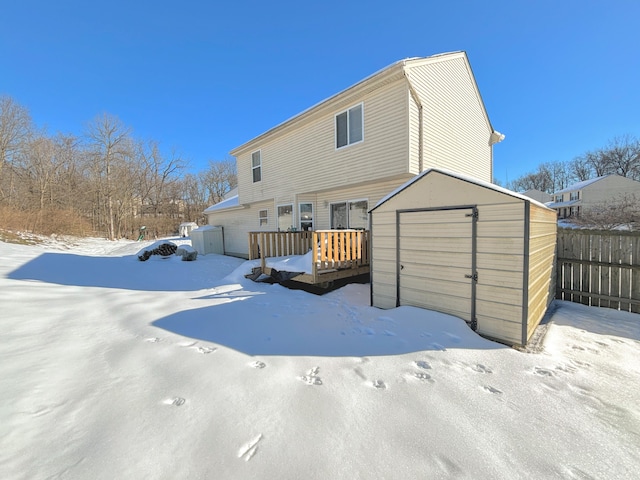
(538, 195)
(327, 166)
(579, 197)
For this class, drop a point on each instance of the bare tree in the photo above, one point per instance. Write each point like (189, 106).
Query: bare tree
(220, 178)
(622, 212)
(195, 197)
(580, 169)
(108, 137)
(15, 128)
(622, 155)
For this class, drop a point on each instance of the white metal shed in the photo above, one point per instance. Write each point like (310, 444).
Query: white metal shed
(208, 239)
(458, 245)
(185, 228)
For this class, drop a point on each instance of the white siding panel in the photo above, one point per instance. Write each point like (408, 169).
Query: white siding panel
(455, 126)
(306, 159)
(237, 223)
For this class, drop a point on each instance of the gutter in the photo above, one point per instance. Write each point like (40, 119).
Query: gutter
(416, 99)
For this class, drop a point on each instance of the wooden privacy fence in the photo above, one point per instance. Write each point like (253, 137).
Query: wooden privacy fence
(334, 249)
(599, 268)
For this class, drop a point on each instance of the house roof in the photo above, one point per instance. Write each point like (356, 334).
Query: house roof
(230, 202)
(562, 204)
(464, 178)
(581, 185)
(377, 79)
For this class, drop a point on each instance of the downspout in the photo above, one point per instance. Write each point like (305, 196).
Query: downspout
(416, 99)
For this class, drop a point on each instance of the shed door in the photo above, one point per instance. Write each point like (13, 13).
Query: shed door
(436, 260)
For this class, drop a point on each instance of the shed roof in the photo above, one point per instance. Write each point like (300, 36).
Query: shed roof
(463, 178)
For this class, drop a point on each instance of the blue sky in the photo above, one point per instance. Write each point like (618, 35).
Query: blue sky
(558, 78)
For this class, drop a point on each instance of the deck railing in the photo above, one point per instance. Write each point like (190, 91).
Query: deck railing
(334, 249)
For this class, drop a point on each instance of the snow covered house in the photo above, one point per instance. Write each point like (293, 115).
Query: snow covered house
(326, 167)
(538, 195)
(608, 189)
(468, 248)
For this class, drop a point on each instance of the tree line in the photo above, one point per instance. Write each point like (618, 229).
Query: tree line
(620, 156)
(103, 181)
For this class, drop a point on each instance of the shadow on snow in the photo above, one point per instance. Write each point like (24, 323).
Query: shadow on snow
(250, 322)
(126, 272)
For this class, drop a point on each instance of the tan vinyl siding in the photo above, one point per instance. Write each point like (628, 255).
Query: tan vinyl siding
(542, 245)
(306, 159)
(414, 135)
(372, 192)
(500, 254)
(238, 222)
(608, 189)
(456, 128)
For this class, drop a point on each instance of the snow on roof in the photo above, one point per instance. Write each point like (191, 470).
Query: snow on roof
(205, 228)
(562, 204)
(462, 177)
(581, 185)
(224, 204)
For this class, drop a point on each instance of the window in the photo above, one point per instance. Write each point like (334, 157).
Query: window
(575, 195)
(306, 216)
(351, 214)
(358, 216)
(263, 216)
(558, 198)
(285, 217)
(349, 127)
(256, 166)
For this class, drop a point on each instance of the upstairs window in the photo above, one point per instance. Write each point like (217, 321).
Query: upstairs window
(256, 166)
(349, 127)
(575, 195)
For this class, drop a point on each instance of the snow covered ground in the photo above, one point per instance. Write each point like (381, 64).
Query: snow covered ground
(115, 368)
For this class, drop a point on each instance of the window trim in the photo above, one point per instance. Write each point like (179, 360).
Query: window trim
(253, 168)
(293, 216)
(261, 218)
(300, 214)
(347, 204)
(335, 124)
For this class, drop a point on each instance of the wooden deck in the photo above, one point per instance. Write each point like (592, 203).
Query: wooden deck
(337, 254)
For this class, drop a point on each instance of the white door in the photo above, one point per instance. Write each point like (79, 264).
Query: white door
(436, 260)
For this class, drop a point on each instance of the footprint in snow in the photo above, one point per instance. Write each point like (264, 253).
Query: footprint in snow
(312, 378)
(481, 368)
(249, 449)
(258, 364)
(493, 390)
(423, 365)
(205, 350)
(152, 340)
(176, 402)
(379, 384)
(543, 372)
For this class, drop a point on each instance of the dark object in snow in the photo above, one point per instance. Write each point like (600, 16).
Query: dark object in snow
(165, 249)
(279, 276)
(187, 253)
